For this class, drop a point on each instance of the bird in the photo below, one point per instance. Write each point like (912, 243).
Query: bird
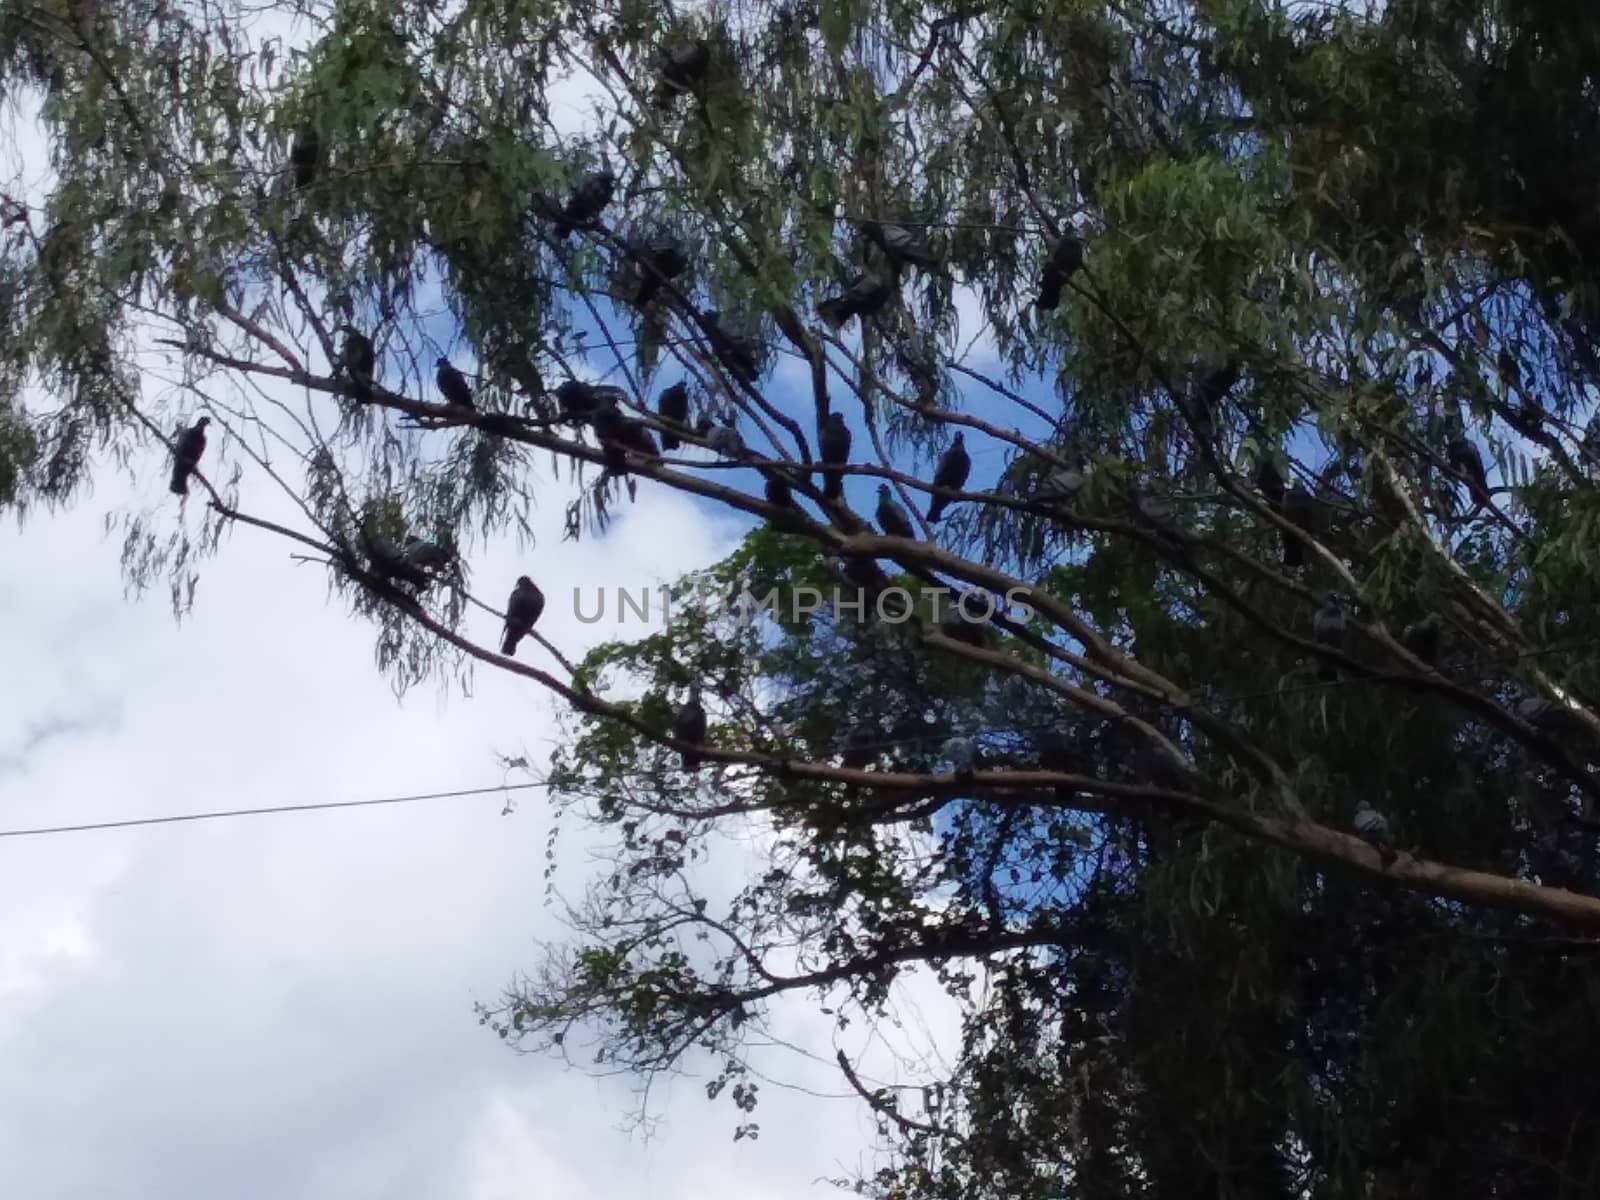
(859, 749)
(952, 474)
(1330, 626)
(1064, 261)
(673, 405)
(1298, 509)
(1421, 638)
(734, 352)
(834, 444)
(689, 725)
(681, 68)
(726, 441)
(426, 555)
(619, 435)
(305, 155)
(661, 259)
(1373, 826)
(387, 560)
(588, 201)
(523, 610)
(576, 400)
(186, 456)
(900, 245)
(1062, 485)
(866, 294)
(1464, 459)
(962, 754)
(452, 384)
(1208, 394)
(778, 492)
(1506, 366)
(356, 357)
(892, 519)
(1269, 482)
(959, 627)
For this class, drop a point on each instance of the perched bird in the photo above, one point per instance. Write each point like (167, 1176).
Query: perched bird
(673, 405)
(867, 294)
(1063, 484)
(356, 357)
(1269, 482)
(1374, 827)
(426, 555)
(619, 436)
(1330, 626)
(660, 259)
(860, 749)
(952, 472)
(725, 440)
(892, 519)
(388, 560)
(734, 352)
(1506, 366)
(522, 613)
(1207, 396)
(452, 384)
(1421, 638)
(778, 491)
(704, 425)
(1465, 460)
(588, 201)
(1065, 260)
(1298, 509)
(689, 725)
(305, 155)
(576, 400)
(956, 625)
(1547, 716)
(186, 456)
(681, 70)
(962, 755)
(834, 444)
(900, 245)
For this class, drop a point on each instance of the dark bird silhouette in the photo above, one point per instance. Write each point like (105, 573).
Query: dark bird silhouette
(186, 456)
(689, 725)
(674, 409)
(1373, 827)
(1330, 626)
(867, 294)
(1065, 260)
(356, 358)
(860, 749)
(778, 491)
(523, 611)
(660, 260)
(1506, 366)
(900, 245)
(452, 384)
(619, 435)
(1298, 509)
(682, 68)
(587, 202)
(834, 444)
(1269, 482)
(726, 441)
(956, 625)
(734, 352)
(893, 519)
(1421, 638)
(389, 561)
(426, 555)
(1463, 458)
(1061, 485)
(952, 472)
(305, 156)
(579, 401)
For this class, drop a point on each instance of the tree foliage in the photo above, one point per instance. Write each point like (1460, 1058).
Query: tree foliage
(1113, 823)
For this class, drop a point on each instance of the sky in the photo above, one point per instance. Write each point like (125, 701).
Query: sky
(282, 1006)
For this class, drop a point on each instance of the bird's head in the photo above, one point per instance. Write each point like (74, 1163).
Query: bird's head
(441, 362)
(1333, 600)
(835, 420)
(961, 440)
(883, 492)
(524, 582)
(202, 422)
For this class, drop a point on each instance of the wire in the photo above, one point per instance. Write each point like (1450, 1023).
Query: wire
(256, 812)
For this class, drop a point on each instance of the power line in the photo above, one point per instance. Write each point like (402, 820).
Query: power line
(256, 812)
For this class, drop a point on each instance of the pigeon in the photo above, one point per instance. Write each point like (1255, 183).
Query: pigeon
(388, 561)
(426, 555)
(778, 491)
(902, 247)
(618, 436)
(1421, 638)
(867, 294)
(659, 260)
(577, 400)
(682, 67)
(1330, 626)
(689, 725)
(588, 201)
(734, 352)
(1269, 482)
(892, 519)
(1064, 261)
(356, 357)
(959, 627)
(453, 384)
(1464, 459)
(952, 473)
(1208, 394)
(1298, 509)
(186, 456)
(305, 156)
(673, 406)
(962, 754)
(1505, 365)
(1061, 485)
(834, 443)
(859, 750)
(522, 613)
(725, 440)
(1374, 827)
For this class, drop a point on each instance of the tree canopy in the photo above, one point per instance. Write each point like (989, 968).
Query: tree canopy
(1246, 808)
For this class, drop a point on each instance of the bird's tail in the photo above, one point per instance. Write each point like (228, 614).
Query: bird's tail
(691, 761)
(563, 228)
(833, 487)
(669, 441)
(834, 313)
(180, 480)
(935, 509)
(649, 285)
(1294, 550)
(1049, 296)
(508, 644)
